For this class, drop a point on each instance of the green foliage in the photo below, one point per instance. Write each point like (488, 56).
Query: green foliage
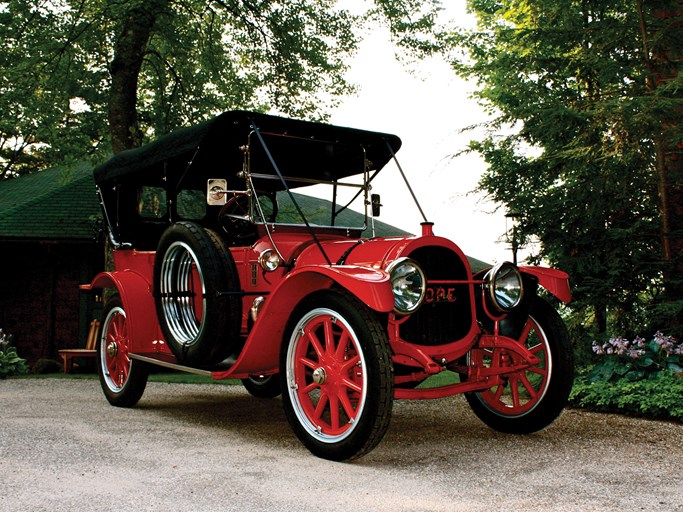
(571, 147)
(660, 397)
(10, 363)
(57, 62)
(637, 359)
(634, 377)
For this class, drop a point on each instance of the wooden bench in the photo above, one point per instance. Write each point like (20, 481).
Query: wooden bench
(89, 351)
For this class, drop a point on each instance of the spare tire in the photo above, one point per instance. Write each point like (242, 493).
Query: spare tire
(192, 267)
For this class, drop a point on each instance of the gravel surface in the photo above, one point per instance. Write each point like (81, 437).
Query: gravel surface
(192, 447)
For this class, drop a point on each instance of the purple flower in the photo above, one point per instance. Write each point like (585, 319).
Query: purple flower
(635, 353)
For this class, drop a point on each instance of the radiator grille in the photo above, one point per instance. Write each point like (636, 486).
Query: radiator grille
(440, 322)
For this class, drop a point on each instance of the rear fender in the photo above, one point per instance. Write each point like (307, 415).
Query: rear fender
(138, 303)
(261, 353)
(553, 280)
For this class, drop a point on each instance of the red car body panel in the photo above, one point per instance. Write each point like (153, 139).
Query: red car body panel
(553, 280)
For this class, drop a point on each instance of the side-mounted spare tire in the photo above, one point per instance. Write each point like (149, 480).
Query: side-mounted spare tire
(192, 267)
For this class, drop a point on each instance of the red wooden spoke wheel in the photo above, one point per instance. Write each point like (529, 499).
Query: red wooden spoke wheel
(115, 350)
(337, 376)
(328, 368)
(523, 388)
(122, 379)
(530, 397)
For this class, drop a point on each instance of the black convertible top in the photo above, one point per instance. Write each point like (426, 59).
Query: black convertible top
(303, 149)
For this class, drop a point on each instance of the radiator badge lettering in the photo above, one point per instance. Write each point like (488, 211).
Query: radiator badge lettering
(440, 294)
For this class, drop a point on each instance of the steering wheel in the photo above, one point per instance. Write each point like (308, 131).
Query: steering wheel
(235, 219)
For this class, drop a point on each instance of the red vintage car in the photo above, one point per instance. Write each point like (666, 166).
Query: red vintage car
(229, 262)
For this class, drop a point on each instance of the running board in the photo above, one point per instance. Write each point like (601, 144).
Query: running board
(168, 364)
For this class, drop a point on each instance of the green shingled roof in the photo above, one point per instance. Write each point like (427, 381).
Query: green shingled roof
(58, 204)
(55, 204)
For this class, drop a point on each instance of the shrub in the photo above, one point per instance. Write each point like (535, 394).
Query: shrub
(10, 362)
(637, 359)
(658, 397)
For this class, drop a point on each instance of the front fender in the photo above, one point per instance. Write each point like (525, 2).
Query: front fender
(261, 353)
(553, 280)
(138, 303)
(371, 286)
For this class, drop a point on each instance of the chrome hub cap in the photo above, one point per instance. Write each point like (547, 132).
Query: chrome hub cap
(319, 376)
(112, 349)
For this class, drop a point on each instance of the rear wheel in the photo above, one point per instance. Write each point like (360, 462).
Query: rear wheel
(262, 386)
(337, 377)
(532, 398)
(123, 380)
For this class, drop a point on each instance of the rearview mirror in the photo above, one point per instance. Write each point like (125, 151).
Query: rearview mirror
(376, 204)
(215, 192)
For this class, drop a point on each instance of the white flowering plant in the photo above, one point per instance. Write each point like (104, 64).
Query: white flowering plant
(637, 359)
(10, 362)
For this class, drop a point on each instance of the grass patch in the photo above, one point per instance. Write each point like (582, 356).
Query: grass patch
(444, 378)
(189, 378)
(60, 375)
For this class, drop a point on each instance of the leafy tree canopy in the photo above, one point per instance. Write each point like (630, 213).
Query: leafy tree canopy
(577, 130)
(78, 77)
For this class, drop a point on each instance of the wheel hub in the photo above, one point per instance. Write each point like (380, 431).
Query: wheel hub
(319, 376)
(112, 349)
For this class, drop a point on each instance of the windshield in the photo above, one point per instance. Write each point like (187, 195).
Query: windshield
(330, 180)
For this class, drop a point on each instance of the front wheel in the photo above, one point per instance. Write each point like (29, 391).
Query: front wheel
(337, 377)
(532, 398)
(122, 379)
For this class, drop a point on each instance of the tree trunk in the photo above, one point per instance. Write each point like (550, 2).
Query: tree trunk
(129, 52)
(670, 167)
(669, 158)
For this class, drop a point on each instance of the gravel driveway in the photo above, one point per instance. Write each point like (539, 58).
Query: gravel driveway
(214, 448)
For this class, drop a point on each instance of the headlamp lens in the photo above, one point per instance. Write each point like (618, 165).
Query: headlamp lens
(269, 260)
(505, 286)
(408, 284)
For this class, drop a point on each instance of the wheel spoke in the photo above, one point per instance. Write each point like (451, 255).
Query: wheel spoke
(308, 363)
(334, 412)
(330, 347)
(528, 386)
(320, 407)
(111, 366)
(536, 348)
(347, 366)
(538, 370)
(524, 336)
(352, 385)
(342, 345)
(310, 388)
(347, 405)
(514, 390)
(315, 343)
